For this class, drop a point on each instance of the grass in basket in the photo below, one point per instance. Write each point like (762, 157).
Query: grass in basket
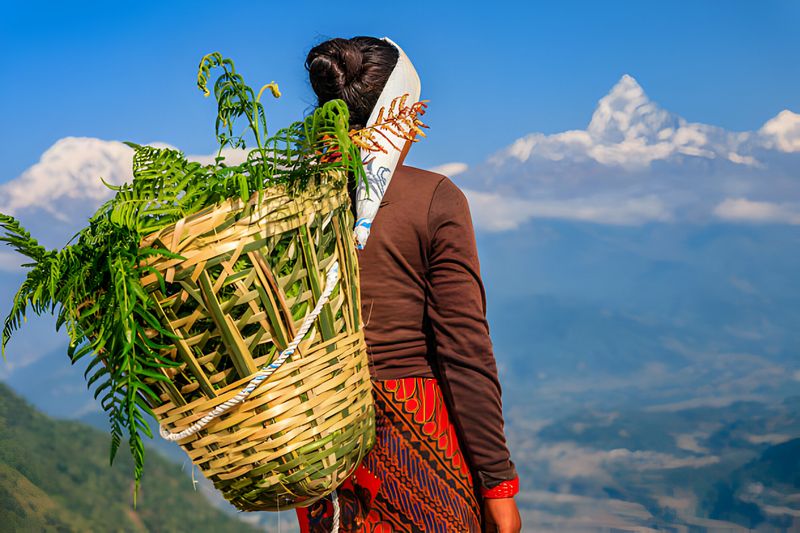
(92, 284)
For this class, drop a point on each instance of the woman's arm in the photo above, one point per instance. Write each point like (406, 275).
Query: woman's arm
(457, 313)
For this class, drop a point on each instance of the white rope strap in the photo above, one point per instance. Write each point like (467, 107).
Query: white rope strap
(335, 500)
(263, 374)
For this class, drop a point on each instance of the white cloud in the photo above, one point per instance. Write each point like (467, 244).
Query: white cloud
(744, 210)
(689, 442)
(768, 438)
(649, 460)
(744, 159)
(450, 169)
(566, 459)
(233, 156)
(711, 401)
(783, 131)
(494, 212)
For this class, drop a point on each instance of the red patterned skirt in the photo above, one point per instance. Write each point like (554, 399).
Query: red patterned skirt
(414, 479)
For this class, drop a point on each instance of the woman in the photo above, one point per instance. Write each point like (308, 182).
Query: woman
(440, 462)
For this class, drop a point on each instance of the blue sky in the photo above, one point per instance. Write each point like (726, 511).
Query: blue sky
(125, 70)
(631, 167)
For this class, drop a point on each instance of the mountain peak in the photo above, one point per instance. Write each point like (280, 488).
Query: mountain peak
(627, 83)
(627, 112)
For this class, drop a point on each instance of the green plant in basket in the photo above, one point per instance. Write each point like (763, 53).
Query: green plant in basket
(94, 284)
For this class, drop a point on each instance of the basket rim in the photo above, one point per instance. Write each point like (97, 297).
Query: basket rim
(236, 203)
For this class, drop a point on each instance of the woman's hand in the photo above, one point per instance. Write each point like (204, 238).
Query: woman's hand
(502, 515)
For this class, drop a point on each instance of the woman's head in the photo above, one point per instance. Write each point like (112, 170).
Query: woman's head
(355, 70)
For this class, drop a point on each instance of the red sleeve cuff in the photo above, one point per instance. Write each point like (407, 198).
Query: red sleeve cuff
(506, 489)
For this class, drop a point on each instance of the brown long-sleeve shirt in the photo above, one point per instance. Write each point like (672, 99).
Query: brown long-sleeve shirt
(424, 309)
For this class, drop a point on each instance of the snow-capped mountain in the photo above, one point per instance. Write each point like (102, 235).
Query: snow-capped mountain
(636, 162)
(54, 196)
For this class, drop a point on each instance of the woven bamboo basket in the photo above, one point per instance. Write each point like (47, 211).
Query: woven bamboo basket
(249, 276)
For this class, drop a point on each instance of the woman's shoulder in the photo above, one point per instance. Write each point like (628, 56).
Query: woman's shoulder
(426, 182)
(446, 202)
(420, 175)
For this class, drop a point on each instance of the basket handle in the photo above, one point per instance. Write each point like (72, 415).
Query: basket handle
(260, 376)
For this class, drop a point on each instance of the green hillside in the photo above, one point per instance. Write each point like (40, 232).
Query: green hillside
(54, 476)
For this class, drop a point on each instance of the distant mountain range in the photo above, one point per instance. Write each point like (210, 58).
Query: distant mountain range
(732, 468)
(595, 315)
(637, 162)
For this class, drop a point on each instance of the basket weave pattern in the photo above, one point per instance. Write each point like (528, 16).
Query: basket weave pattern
(250, 273)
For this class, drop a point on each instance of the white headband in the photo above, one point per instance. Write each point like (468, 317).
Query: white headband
(381, 166)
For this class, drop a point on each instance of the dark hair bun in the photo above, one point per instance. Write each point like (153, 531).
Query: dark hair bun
(354, 70)
(333, 65)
